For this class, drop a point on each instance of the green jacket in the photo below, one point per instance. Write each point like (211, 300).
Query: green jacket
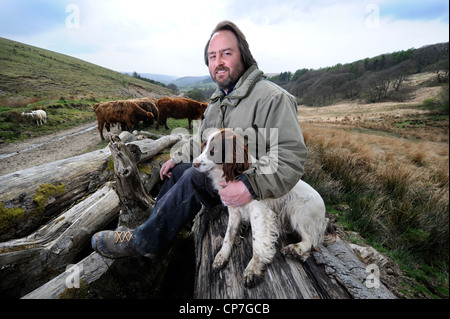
(267, 117)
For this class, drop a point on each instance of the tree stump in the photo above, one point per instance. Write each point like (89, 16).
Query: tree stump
(332, 272)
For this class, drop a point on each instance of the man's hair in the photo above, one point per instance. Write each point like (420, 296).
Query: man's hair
(247, 57)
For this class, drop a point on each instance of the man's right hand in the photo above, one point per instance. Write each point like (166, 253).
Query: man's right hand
(166, 169)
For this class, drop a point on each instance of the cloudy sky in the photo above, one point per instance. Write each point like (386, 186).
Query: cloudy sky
(168, 37)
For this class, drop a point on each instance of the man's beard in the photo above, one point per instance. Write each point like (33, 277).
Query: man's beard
(227, 84)
(232, 78)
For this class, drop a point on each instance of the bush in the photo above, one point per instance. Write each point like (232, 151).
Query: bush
(440, 103)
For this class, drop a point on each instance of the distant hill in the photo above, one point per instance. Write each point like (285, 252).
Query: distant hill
(163, 78)
(189, 80)
(372, 79)
(184, 83)
(29, 74)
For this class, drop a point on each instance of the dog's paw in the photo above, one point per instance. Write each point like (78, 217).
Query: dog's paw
(295, 251)
(219, 262)
(252, 279)
(253, 274)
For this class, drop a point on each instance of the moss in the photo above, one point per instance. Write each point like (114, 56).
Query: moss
(148, 166)
(45, 192)
(76, 293)
(110, 165)
(145, 168)
(9, 217)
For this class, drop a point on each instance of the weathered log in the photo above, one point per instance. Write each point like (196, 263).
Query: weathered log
(333, 272)
(29, 262)
(85, 272)
(44, 191)
(129, 185)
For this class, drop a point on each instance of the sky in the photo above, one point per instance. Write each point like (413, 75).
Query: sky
(169, 36)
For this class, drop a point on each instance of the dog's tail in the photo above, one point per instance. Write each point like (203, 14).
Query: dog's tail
(330, 233)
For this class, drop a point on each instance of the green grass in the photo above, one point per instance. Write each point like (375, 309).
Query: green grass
(172, 124)
(61, 114)
(29, 74)
(65, 87)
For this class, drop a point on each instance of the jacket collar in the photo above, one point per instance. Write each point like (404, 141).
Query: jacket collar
(241, 89)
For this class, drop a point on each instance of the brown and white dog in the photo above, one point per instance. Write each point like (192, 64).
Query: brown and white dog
(225, 156)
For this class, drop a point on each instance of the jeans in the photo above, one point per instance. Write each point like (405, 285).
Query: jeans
(178, 202)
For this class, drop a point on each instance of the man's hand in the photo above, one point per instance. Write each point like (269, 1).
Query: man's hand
(235, 193)
(166, 169)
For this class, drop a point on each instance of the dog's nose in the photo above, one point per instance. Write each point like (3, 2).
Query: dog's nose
(196, 165)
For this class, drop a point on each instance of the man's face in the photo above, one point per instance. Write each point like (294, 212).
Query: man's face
(225, 62)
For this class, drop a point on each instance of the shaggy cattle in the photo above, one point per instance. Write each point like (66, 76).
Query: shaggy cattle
(147, 104)
(125, 112)
(40, 116)
(179, 108)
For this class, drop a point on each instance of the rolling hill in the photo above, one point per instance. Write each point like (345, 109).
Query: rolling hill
(185, 83)
(29, 74)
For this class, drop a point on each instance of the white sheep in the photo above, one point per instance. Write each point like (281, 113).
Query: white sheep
(39, 115)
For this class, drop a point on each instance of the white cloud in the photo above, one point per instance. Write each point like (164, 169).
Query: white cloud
(284, 35)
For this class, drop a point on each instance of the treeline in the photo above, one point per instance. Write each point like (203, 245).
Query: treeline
(138, 76)
(371, 79)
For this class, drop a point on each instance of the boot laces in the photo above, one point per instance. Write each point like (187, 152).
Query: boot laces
(121, 236)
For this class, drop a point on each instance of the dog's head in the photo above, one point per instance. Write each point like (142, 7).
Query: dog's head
(224, 150)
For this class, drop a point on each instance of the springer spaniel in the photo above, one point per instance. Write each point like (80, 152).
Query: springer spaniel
(301, 209)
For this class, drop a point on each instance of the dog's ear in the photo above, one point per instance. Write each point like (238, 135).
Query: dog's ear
(236, 157)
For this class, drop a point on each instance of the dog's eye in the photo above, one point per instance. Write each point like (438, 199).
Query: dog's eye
(211, 152)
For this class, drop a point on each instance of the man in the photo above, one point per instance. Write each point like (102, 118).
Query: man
(244, 100)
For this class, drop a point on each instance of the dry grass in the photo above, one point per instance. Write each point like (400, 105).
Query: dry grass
(408, 180)
(393, 178)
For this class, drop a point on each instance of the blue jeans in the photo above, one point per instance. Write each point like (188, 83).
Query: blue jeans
(179, 200)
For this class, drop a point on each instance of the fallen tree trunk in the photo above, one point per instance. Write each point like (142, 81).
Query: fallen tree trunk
(29, 262)
(41, 192)
(333, 272)
(85, 272)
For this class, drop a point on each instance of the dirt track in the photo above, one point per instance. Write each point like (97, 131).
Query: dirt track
(44, 149)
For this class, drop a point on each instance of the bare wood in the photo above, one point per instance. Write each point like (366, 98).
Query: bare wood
(80, 176)
(26, 262)
(333, 272)
(128, 181)
(129, 185)
(55, 245)
(130, 191)
(89, 270)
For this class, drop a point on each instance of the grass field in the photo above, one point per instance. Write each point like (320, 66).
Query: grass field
(383, 171)
(61, 114)
(29, 74)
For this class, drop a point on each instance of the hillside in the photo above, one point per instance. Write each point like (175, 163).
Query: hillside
(29, 74)
(372, 80)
